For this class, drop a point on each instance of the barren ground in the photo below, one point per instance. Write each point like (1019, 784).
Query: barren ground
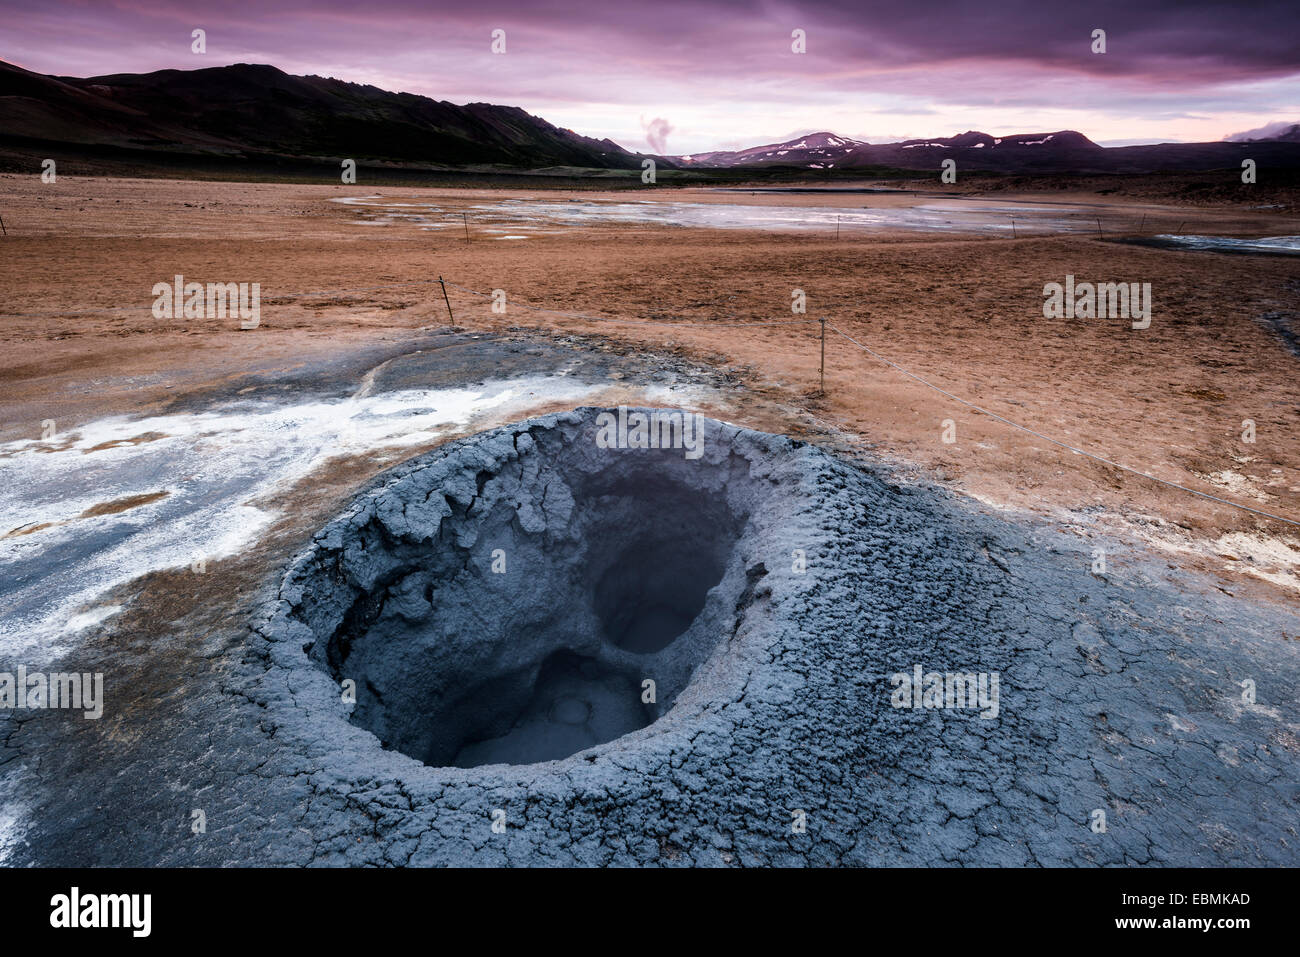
(1123, 690)
(964, 312)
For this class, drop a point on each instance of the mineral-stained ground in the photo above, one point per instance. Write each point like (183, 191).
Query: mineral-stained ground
(352, 474)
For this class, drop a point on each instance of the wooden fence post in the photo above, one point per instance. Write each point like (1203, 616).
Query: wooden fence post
(822, 370)
(446, 300)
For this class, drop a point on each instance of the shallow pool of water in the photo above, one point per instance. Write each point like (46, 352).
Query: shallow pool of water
(1268, 245)
(515, 215)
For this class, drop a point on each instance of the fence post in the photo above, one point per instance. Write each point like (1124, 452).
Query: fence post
(822, 369)
(446, 300)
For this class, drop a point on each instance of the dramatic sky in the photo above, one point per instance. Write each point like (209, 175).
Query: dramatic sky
(683, 77)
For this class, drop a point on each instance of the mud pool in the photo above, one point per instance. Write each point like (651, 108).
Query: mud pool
(769, 588)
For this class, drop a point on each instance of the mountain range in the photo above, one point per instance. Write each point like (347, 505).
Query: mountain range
(249, 110)
(1056, 152)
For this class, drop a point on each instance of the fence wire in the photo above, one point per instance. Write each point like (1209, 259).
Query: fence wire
(445, 283)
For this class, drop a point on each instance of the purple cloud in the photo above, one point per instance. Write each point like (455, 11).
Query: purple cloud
(724, 69)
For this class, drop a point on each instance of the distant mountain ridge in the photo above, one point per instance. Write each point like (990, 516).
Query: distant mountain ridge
(251, 107)
(806, 149)
(1059, 151)
(251, 110)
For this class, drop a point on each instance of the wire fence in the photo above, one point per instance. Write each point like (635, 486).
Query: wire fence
(894, 365)
(444, 284)
(635, 322)
(109, 310)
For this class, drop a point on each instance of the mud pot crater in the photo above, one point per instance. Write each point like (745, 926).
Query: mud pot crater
(505, 599)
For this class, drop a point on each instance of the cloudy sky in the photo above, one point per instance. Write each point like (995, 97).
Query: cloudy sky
(684, 77)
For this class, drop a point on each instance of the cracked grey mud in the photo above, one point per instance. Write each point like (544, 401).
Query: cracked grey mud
(535, 593)
(769, 589)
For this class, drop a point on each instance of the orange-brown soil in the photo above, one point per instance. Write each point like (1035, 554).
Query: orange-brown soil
(964, 312)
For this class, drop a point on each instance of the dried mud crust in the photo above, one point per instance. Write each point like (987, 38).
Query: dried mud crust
(1121, 699)
(965, 314)
(1119, 693)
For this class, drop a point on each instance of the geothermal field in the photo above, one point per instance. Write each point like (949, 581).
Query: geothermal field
(680, 526)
